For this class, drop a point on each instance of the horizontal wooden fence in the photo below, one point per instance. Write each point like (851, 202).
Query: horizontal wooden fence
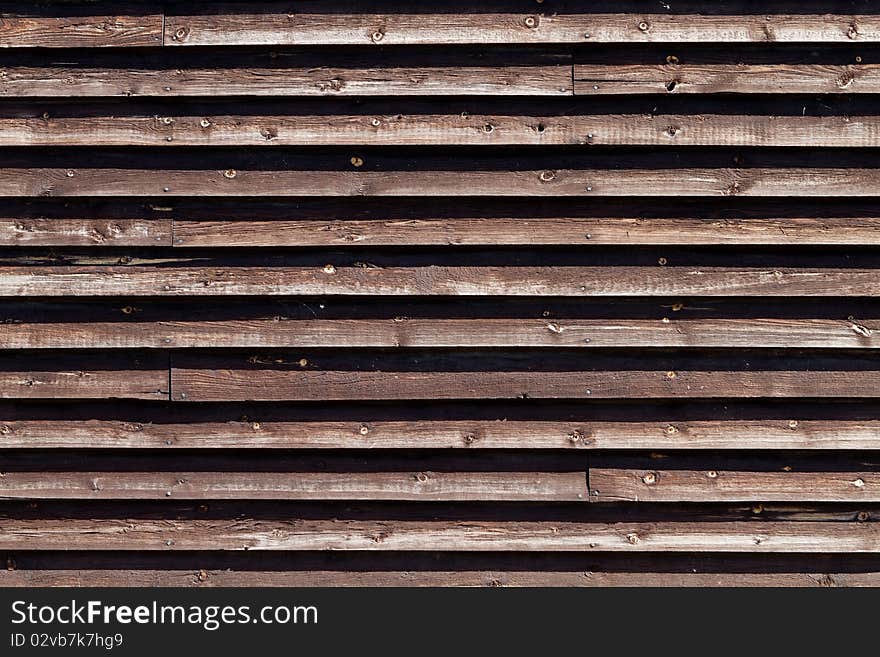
(560, 293)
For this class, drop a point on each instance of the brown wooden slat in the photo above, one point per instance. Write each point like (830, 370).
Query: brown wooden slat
(236, 384)
(514, 231)
(85, 232)
(414, 486)
(84, 377)
(84, 384)
(230, 182)
(600, 79)
(145, 280)
(406, 332)
(60, 81)
(317, 578)
(612, 484)
(80, 31)
(258, 433)
(236, 28)
(243, 534)
(442, 129)
(758, 182)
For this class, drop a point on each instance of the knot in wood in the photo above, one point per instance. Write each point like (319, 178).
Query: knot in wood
(531, 22)
(329, 269)
(547, 176)
(230, 173)
(180, 34)
(364, 430)
(644, 26)
(378, 35)
(633, 538)
(650, 478)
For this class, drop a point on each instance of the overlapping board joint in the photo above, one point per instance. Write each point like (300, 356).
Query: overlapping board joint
(627, 366)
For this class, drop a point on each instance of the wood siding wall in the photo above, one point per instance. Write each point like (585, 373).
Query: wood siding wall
(494, 293)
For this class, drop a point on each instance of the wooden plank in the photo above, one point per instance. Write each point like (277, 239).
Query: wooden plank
(442, 129)
(259, 433)
(233, 383)
(720, 182)
(486, 231)
(207, 577)
(602, 79)
(62, 81)
(411, 486)
(80, 31)
(147, 280)
(237, 28)
(84, 377)
(620, 484)
(84, 384)
(84, 232)
(408, 332)
(170, 535)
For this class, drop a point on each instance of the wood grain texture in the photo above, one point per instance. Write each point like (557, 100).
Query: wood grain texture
(236, 28)
(412, 486)
(719, 182)
(201, 385)
(73, 82)
(17, 31)
(145, 280)
(259, 433)
(613, 484)
(472, 536)
(208, 577)
(776, 78)
(441, 129)
(408, 332)
(83, 384)
(489, 231)
(85, 232)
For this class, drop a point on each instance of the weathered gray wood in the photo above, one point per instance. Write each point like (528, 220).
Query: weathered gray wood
(145, 280)
(599, 79)
(414, 486)
(407, 332)
(232, 383)
(242, 534)
(514, 231)
(441, 129)
(85, 232)
(18, 31)
(62, 81)
(236, 28)
(758, 182)
(208, 577)
(258, 433)
(617, 484)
